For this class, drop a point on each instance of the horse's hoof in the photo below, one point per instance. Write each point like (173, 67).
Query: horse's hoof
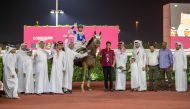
(82, 88)
(89, 88)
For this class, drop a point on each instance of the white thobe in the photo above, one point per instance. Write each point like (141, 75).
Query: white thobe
(41, 72)
(1, 54)
(140, 56)
(70, 56)
(134, 75)
(180, 63)
(10, 84)
(29, 71)
(121, 60)
(4, 56)
(20, 58)
(58, 68)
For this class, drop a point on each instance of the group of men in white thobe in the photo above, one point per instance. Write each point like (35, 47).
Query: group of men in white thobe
(137, 67)
(18, 71)
(62, 68)
(142, 61)
(27, 72)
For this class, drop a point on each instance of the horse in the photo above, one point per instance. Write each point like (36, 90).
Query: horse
(87, 63)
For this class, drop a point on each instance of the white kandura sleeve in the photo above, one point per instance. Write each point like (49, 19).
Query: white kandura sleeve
(184, 60)
(10, 64)
(174, 62)
(64, 62)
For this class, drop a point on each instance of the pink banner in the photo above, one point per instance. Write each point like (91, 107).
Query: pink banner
(49, 34)
(184, 40)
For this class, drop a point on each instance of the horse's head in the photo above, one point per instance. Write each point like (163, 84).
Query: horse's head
(97, 39)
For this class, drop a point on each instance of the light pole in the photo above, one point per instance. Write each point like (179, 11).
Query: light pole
(57, 12)
(137, 27)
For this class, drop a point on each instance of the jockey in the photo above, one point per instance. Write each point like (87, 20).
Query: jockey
(79, 40)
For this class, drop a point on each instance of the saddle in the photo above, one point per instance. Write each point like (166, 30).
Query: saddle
(81, 50)
(78, 61)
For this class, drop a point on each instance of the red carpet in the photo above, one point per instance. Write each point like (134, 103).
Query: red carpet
(98, 99)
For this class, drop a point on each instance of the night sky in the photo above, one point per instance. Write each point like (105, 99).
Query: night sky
(15, 14)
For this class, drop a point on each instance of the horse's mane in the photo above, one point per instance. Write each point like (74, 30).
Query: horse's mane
(89, 42)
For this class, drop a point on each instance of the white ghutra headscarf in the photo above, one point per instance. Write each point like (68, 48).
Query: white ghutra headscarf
(180, 44)
(23, 44)
(11, 47)
(140, 44)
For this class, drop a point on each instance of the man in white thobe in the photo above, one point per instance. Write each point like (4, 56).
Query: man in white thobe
(29, 72)
(20, 58)
(41, 70)
(58, 68)
(10, 79)
(70, 55)
(121, 61)
(180, 68)
(140, 56)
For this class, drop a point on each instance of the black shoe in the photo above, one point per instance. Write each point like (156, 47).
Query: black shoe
(111, 90)
(70, 91)
(21, 93)
(67, 92)
(106, 90)
(134, 90)
(163, 89)
(150, 89)
(170, 89)
(155, 89)
(120, 90)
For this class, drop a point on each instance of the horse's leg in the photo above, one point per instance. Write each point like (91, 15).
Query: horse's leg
(89, 80)
(82, 87)
(83, 78)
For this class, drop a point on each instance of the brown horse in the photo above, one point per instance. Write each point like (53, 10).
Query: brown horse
(89, 62)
